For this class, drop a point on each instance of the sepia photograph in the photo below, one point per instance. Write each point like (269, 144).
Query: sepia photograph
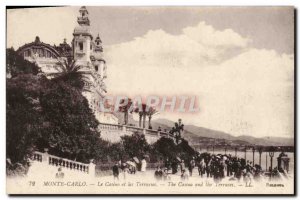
(150, 100)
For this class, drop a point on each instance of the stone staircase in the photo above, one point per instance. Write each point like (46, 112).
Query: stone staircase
(46, 165)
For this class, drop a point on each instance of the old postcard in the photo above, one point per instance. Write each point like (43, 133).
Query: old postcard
(150, 100)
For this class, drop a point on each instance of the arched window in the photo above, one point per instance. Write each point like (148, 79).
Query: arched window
(80, 46)
(41, 53)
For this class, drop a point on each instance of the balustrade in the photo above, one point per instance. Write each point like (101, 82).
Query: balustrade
(124, 128)
(62, 162)
(104, 126)
(38, 156)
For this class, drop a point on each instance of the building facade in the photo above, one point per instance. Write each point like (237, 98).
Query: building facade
(87, 53)
(45, 55)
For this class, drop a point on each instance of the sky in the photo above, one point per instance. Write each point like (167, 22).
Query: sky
(238, 61)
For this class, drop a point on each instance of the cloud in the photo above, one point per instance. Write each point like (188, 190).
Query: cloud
(248, 92)
(208, 36)
(197, 45)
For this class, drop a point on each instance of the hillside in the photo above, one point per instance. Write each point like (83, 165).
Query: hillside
(195, 133)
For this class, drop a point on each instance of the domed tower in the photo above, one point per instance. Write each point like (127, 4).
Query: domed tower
(82, 41)
(98, 44)
(98, 60)
(98, 70)
(89, 55)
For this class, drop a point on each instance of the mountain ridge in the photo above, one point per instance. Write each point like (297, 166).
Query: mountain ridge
(195, 132)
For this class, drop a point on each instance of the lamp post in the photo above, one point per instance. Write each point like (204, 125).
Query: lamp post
(245, 153)
(271, 154)
(253, 151)
(121, 150)
(235, 149)
(266, 161)
(214, 146)
(225, 149)
(260, 152)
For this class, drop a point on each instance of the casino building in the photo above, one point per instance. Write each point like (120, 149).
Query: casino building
(87, 52)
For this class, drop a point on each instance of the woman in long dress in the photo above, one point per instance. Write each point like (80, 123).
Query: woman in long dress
(144, 165)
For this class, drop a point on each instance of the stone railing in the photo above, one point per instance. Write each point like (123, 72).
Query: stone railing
(68, 164)
(64, 163)
(104, 126)
(125, 128)
(38, 156)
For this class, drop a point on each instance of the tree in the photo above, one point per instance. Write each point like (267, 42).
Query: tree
(53, 114)
(142, 111)
(24, 121)
(15, 64)
(165, 147)
(135, 145)
(70, 72)
(150, 113)
(72, 131)
(185, 151)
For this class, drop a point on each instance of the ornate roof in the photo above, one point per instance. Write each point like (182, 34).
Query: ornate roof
(38, 43)
(98, 44)
(64, 49)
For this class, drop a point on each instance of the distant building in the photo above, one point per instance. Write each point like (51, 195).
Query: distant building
(45, 55)
(87, 52)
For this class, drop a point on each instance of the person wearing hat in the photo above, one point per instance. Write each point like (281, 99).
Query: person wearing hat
(184, 174)
(59, 174)
(182, 166)
(158, 174)
(115, 170)
(192, 166)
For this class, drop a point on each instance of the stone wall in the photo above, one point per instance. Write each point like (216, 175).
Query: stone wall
(113, 132)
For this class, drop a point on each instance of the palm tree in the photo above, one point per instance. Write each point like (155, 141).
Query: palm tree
(140, 118)
(69, 72)
(142, 111)
(152, 111)
(125, 109)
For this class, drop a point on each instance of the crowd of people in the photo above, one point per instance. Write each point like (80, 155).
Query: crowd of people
(129, 167)
(207, 165)
(221, 166)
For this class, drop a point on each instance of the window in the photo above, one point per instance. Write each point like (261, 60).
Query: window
(80, 46)
(48, 54)
(41, 53)
(96, 68)
(26, 53)
(91, 47)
